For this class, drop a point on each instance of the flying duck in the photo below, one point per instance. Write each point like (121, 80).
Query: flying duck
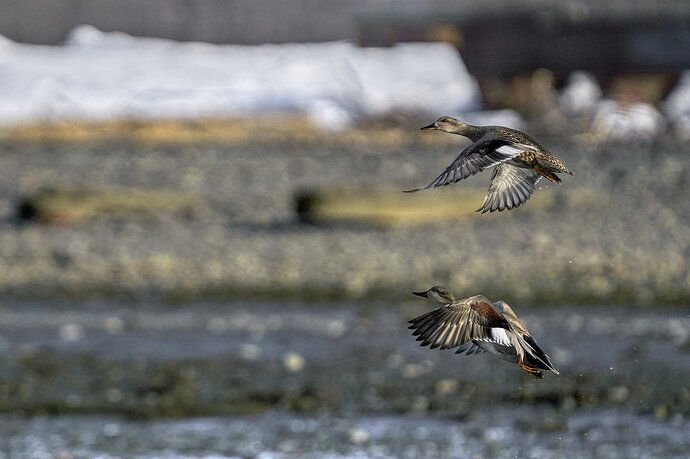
(520, 162)
(474, 325)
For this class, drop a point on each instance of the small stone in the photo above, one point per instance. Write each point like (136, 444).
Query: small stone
(420, 403)
(73, 400)
(661, 412)
(358, 435)
(568, 403)
(336, 328)
(394, 360)
(114, 325)
(293, 362)
(250, 351)
(71, 332)
(217, 325)
(677, 419)
(111, 429)
(446, 386)
(412, 370)
(619, 394)
(114, 395)
(427, 365)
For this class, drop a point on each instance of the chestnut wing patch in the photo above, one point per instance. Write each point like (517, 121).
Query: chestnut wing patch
(489, 316)
(457, 324)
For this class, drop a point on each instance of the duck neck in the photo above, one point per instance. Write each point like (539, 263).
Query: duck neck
(470, 131)
(473, 133)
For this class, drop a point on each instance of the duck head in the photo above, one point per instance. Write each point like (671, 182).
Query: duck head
(449, 124)
(438, 294)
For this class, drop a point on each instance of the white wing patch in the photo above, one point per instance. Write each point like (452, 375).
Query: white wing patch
(509, 150)
(524, 147)
(473, 160)
(500, 336)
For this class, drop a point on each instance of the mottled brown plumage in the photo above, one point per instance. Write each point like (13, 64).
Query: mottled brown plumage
(520, 162)
(474, 325)
(541, 159)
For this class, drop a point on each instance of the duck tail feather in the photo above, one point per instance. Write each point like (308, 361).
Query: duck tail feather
(537, 356)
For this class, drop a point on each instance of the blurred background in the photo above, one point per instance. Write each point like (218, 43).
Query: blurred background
(204, 250)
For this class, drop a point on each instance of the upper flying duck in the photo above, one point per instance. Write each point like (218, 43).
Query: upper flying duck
(520, 162)
(475, 325)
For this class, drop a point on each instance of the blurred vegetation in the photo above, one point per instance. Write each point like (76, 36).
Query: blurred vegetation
(234, 224)
(289, 129)
(56, 206)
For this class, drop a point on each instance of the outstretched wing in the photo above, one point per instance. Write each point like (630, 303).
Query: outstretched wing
(475, 158)
(511, 186)
(460, 323)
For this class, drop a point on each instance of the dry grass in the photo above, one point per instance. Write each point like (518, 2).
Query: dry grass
(216, 130)
(617, 231)
(391, 207)
(54, 206)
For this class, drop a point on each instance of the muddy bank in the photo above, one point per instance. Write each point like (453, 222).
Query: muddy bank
(220, 359)
(244, 238)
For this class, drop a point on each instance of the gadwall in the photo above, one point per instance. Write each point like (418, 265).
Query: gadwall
(520, 162)
(474, 325)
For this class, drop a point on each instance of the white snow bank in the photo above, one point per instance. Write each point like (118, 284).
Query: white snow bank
(612, 120)
(97, 75)
(678, 106)
(629, 122)
(581, 95)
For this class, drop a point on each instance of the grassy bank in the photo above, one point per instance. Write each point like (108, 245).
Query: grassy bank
(614, 233)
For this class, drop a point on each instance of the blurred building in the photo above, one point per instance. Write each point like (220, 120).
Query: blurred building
(280, 21)
(214, 21)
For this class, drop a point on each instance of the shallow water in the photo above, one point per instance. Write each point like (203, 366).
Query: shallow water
(237, 358)
(517, 432)
(332, 380)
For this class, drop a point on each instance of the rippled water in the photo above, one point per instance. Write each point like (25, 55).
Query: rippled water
(504, 432)
(363, 386)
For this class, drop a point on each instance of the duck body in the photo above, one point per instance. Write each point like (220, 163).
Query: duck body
(474, 325)
(539, 158)
(518, 160)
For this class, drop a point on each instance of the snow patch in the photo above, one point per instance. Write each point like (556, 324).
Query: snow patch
(677, 107)
(99, 75)
(629, 122)
(582, 94)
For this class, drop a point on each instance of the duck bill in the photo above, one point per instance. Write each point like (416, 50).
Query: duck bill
(422, 294)
(430, 127)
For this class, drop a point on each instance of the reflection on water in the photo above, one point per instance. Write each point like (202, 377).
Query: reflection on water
(504, 432)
